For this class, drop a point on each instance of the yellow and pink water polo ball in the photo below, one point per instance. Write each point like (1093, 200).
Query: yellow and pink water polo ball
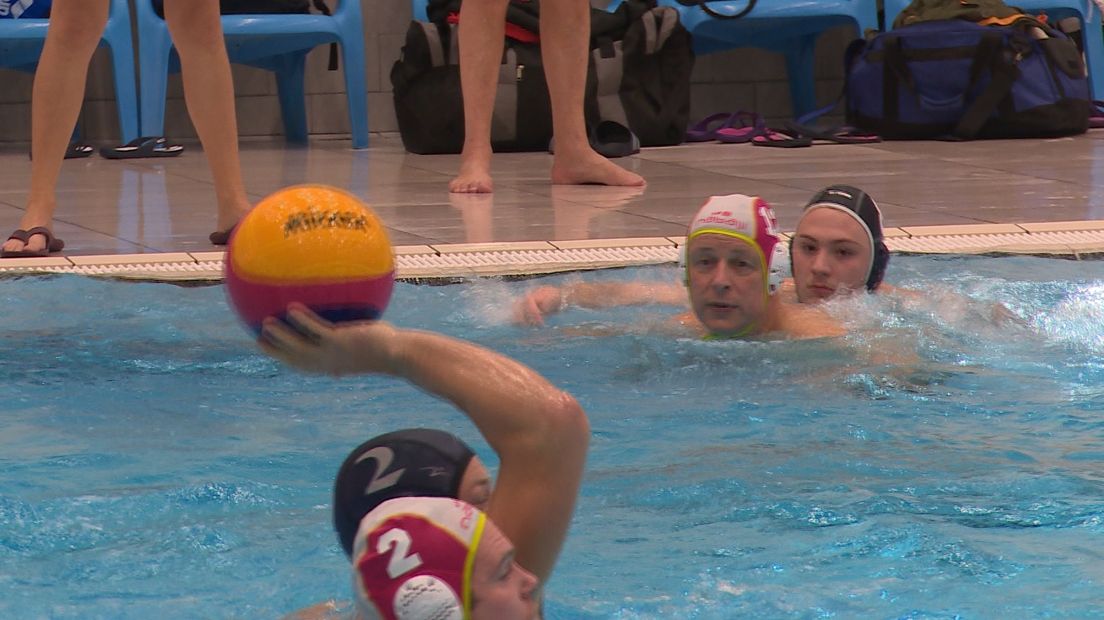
(313, 244)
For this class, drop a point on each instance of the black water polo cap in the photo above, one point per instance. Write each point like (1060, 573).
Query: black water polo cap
(859, 205)
(415, 462)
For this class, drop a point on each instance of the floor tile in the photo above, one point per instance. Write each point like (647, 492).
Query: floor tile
(168, 205)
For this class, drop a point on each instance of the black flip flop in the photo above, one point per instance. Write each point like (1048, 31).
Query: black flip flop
(609, 139)
(146, 146)
(781, 138)
(613, 139)
(844, 134)
(221, 237)
(76, 150)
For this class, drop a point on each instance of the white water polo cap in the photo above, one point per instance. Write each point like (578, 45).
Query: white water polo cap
(750, 219)
(413, 558)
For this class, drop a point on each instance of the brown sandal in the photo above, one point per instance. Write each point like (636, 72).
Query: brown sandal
(53, 244)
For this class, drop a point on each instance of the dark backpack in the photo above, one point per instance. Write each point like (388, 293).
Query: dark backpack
(640, 74)
(429, 104)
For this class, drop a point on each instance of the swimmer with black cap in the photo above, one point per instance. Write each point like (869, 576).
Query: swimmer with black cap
(414, 462)
(839, 249)
(734, 266)
(838, 246)
(404, 565)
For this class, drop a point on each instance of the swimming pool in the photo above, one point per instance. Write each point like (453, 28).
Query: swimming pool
(153, 462)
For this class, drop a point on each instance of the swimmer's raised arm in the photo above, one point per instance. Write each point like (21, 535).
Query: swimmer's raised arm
(542, 301)
(539, 432)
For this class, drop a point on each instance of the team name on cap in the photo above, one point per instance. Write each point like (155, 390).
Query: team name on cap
(724, 218)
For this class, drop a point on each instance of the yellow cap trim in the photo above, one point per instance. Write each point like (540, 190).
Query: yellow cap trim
(728, 233)
(469, 562)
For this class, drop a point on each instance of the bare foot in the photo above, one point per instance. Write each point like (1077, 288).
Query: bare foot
(592, 168)
(474, 176)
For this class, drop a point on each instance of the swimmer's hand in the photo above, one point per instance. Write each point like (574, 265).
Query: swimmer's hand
(308, 342)
(330, 610)
(532, 308)
(1001, 315)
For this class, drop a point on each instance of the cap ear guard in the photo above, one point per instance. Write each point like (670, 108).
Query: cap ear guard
(778, 265)
(878, 268)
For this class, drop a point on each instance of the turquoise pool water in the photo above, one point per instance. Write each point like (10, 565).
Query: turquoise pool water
(153, 464)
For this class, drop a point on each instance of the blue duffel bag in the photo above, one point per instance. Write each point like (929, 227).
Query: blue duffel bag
(957, 79)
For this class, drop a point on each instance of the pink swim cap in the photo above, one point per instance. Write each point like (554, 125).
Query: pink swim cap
(750, 219)
(413, 559)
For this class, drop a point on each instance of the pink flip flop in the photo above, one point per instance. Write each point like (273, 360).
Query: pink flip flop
(750, 125)
(705, 130)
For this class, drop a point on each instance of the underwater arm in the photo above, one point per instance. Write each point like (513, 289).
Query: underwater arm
(542, 301)
(998, 313)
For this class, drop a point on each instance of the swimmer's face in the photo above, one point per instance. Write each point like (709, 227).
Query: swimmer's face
(476, 486)
(831, 254)
(725, 278)
(501, 589)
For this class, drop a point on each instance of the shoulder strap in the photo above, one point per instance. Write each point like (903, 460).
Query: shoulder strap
(1003, 73)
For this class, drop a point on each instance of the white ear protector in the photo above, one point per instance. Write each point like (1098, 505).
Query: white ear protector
(778, 267)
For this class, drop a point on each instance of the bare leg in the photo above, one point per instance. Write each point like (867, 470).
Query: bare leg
(75, 30)
(209, 93)
(482, 31)
(565, 35)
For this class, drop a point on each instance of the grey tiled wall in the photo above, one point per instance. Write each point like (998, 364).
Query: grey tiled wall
(747, 79)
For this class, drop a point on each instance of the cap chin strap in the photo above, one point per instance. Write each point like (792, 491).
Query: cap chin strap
(740, 334)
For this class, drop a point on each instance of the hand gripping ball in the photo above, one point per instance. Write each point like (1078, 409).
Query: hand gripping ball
(313, 244)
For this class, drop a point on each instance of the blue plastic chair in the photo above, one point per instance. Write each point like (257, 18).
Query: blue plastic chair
(790, 27)
(21, 42)
(277, 43)
(1091, 29)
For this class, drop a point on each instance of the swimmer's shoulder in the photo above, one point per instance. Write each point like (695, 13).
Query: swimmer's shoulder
(787, 291)
(803, 321)
(684, 325)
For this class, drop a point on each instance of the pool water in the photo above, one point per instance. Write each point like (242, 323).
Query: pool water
(934, 464)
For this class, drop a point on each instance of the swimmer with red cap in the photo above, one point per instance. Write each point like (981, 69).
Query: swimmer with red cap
(440, 557)
(734, 266)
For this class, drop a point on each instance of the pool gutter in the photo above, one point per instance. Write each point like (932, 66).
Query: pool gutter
(1079, 239)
